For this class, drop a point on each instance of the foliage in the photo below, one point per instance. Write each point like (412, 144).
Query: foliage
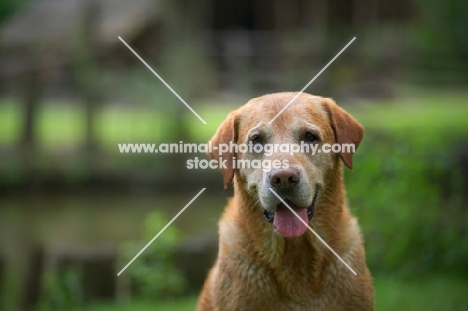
(407, 194)
(154, 272)
(10, 290)
(181, 304)
(390, 294)
(10, 7)
(434, 292)
(442, 18)
(441, 35)
(62, 291)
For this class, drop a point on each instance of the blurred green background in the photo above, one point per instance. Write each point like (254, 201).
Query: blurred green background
(74, 211)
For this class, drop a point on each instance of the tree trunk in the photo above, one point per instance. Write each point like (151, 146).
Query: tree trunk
(87, 71)
(32, 97)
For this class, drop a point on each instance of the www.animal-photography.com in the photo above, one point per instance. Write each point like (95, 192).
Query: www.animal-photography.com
(226, 156)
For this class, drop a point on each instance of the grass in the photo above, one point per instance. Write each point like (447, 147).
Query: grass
(183, 304)
(63, 123)
(433, 293)
(186, 303)
(429, 113)
(10, 121)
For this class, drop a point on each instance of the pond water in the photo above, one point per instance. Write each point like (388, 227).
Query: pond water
(97, 219)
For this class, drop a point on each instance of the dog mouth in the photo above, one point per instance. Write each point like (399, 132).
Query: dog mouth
(290, 224)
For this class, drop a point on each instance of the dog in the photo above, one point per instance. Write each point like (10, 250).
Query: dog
(268, 258)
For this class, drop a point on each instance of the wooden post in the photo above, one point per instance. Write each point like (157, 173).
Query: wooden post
(87, 71)
(183, 40)
(33, 91)
(32, 88)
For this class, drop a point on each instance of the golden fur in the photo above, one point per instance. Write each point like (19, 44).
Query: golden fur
(259, 269)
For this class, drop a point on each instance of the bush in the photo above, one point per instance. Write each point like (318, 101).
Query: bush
(62, 291)
(407, 193)
(154, 273)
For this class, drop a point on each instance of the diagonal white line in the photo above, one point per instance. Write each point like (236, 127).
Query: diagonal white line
(162, 230)
(313, 79)
(162, 80)
(315, 233)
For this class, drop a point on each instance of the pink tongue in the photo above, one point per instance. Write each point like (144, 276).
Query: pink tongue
(287, 223)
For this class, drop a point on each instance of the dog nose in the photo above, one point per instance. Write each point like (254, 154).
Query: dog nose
(285, 178)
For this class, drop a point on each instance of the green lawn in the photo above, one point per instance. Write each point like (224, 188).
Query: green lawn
(428, 113)
(187, 303)
(432, 293)
(63, 123)
(435, 293)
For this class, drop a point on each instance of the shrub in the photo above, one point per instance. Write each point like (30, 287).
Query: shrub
(154, 273)
(407, 194)
(62, 291)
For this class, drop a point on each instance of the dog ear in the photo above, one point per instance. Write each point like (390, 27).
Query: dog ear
(226, 133)
(347, 129)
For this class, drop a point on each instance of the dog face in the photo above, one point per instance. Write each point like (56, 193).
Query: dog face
(269, 168)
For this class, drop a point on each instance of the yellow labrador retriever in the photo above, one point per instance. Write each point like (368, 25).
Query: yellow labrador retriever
(268, 259)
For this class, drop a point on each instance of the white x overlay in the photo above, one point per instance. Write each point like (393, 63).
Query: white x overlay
(315, 233)
(162, 230)
(203, 121)
(162, 80)
(313, 79)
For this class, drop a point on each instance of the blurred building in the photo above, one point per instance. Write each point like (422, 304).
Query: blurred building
(242, 46)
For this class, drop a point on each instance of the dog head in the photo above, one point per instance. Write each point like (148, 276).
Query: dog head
(282, 159)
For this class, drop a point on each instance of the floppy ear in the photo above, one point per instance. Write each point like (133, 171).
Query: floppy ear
(226, 133)
(347, 129)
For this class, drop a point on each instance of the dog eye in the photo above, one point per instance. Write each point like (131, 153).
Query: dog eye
(256, 140)
(310, 137)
